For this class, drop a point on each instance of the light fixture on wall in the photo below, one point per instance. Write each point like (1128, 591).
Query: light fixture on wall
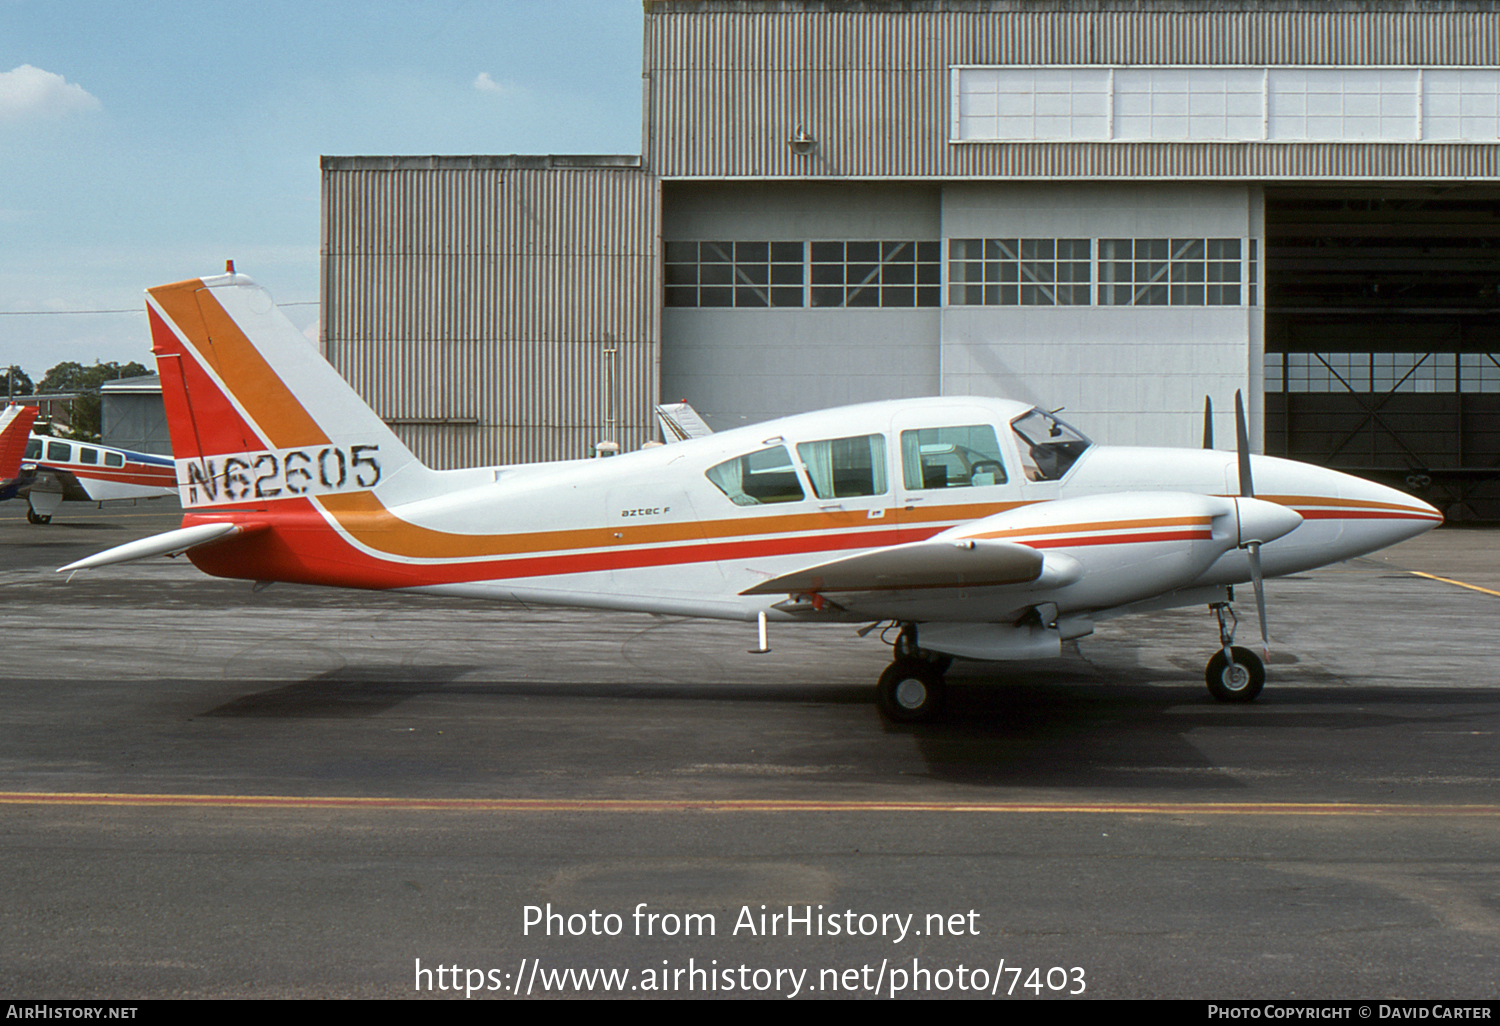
(803, 143)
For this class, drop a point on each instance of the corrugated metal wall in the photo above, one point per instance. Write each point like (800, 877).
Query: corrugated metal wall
(730, 82)
(495, 309)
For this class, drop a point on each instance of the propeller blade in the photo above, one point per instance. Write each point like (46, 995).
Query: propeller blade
(1208, 422)
(1242, 433)
(1260, 594)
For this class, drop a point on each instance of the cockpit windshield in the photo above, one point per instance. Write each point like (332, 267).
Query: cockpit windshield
(1048, 446)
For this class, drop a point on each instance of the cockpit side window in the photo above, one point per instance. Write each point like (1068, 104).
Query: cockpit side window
(1049, 448)
(758, 478)
(951, 457)
(843, 468)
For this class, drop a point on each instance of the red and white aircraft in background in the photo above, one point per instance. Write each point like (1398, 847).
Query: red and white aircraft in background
(58, 470)
(979, 528)
(15, 430)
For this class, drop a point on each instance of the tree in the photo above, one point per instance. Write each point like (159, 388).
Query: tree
(20, 386)
(75, 377)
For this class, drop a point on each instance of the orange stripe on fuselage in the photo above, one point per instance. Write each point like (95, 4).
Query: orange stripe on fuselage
(371, 524)
(1326, 507)
(220, 344)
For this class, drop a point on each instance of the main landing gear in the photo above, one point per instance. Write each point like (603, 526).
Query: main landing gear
(1234, 674)
(33, 517)
(911, 689)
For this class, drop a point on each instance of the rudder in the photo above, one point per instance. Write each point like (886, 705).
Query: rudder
(255, 413)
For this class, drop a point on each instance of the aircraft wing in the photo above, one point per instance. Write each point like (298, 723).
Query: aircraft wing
(967, 562)
(51, 479)
(15, 429)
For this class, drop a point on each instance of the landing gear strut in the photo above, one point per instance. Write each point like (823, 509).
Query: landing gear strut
(1234, 674)
(911, 689)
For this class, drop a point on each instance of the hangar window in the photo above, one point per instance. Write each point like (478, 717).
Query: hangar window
(737, 274)
(1206, 103)
(1019, 272)
(951, 457)
(1383, 373)
(1170, 272)
(764, 476)
(842, 468)
(889, 274)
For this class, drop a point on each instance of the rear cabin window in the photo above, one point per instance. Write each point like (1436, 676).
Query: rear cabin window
(758, 478)
(86, 455)
(844, 468)
(951, 457)
(113, 459)
(60, 451)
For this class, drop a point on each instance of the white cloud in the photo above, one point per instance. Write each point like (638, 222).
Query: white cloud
(485, 84)
(29, 92)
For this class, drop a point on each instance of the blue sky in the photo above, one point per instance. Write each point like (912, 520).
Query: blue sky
(147, 143)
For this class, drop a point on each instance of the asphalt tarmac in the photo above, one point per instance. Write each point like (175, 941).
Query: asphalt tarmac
(207, 791)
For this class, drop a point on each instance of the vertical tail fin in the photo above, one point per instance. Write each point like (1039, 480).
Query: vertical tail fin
(15, 429)
(255, 413)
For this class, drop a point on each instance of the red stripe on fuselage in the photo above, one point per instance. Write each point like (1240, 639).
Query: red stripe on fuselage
(303, 547)
(1348, 514)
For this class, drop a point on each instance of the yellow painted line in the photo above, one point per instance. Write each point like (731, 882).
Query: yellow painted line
(229, 801)
(1449, 580)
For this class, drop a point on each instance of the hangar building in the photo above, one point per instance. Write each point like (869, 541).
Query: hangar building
(1112, 206)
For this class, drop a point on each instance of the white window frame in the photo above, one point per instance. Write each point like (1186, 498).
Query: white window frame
(1405, 104)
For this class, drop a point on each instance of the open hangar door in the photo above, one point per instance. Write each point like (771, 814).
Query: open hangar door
(1383, 337)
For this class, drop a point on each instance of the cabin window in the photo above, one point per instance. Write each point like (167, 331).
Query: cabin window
(844, 468)
(113, 459)
(33, 449)
(1049, 448)
(951, 457)
(758, 478)
(60, 451)
(86, 455)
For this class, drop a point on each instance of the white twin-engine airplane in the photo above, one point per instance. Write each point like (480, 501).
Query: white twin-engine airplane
(48, 471)
(976, 528)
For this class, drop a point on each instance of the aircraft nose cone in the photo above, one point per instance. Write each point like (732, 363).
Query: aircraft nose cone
(1262, 521)
(1402, 515)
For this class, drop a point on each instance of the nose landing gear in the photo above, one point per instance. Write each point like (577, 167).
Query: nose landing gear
(1234, 674)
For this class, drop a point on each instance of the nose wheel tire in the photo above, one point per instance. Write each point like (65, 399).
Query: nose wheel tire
(910, 691)
(1235, 680)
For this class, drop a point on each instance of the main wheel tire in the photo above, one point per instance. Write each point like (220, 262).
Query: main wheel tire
(1236, 681)
(33, 517)
(910, 691)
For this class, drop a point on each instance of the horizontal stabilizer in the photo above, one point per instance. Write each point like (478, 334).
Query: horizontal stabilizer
(169, 544)
(974, 563)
